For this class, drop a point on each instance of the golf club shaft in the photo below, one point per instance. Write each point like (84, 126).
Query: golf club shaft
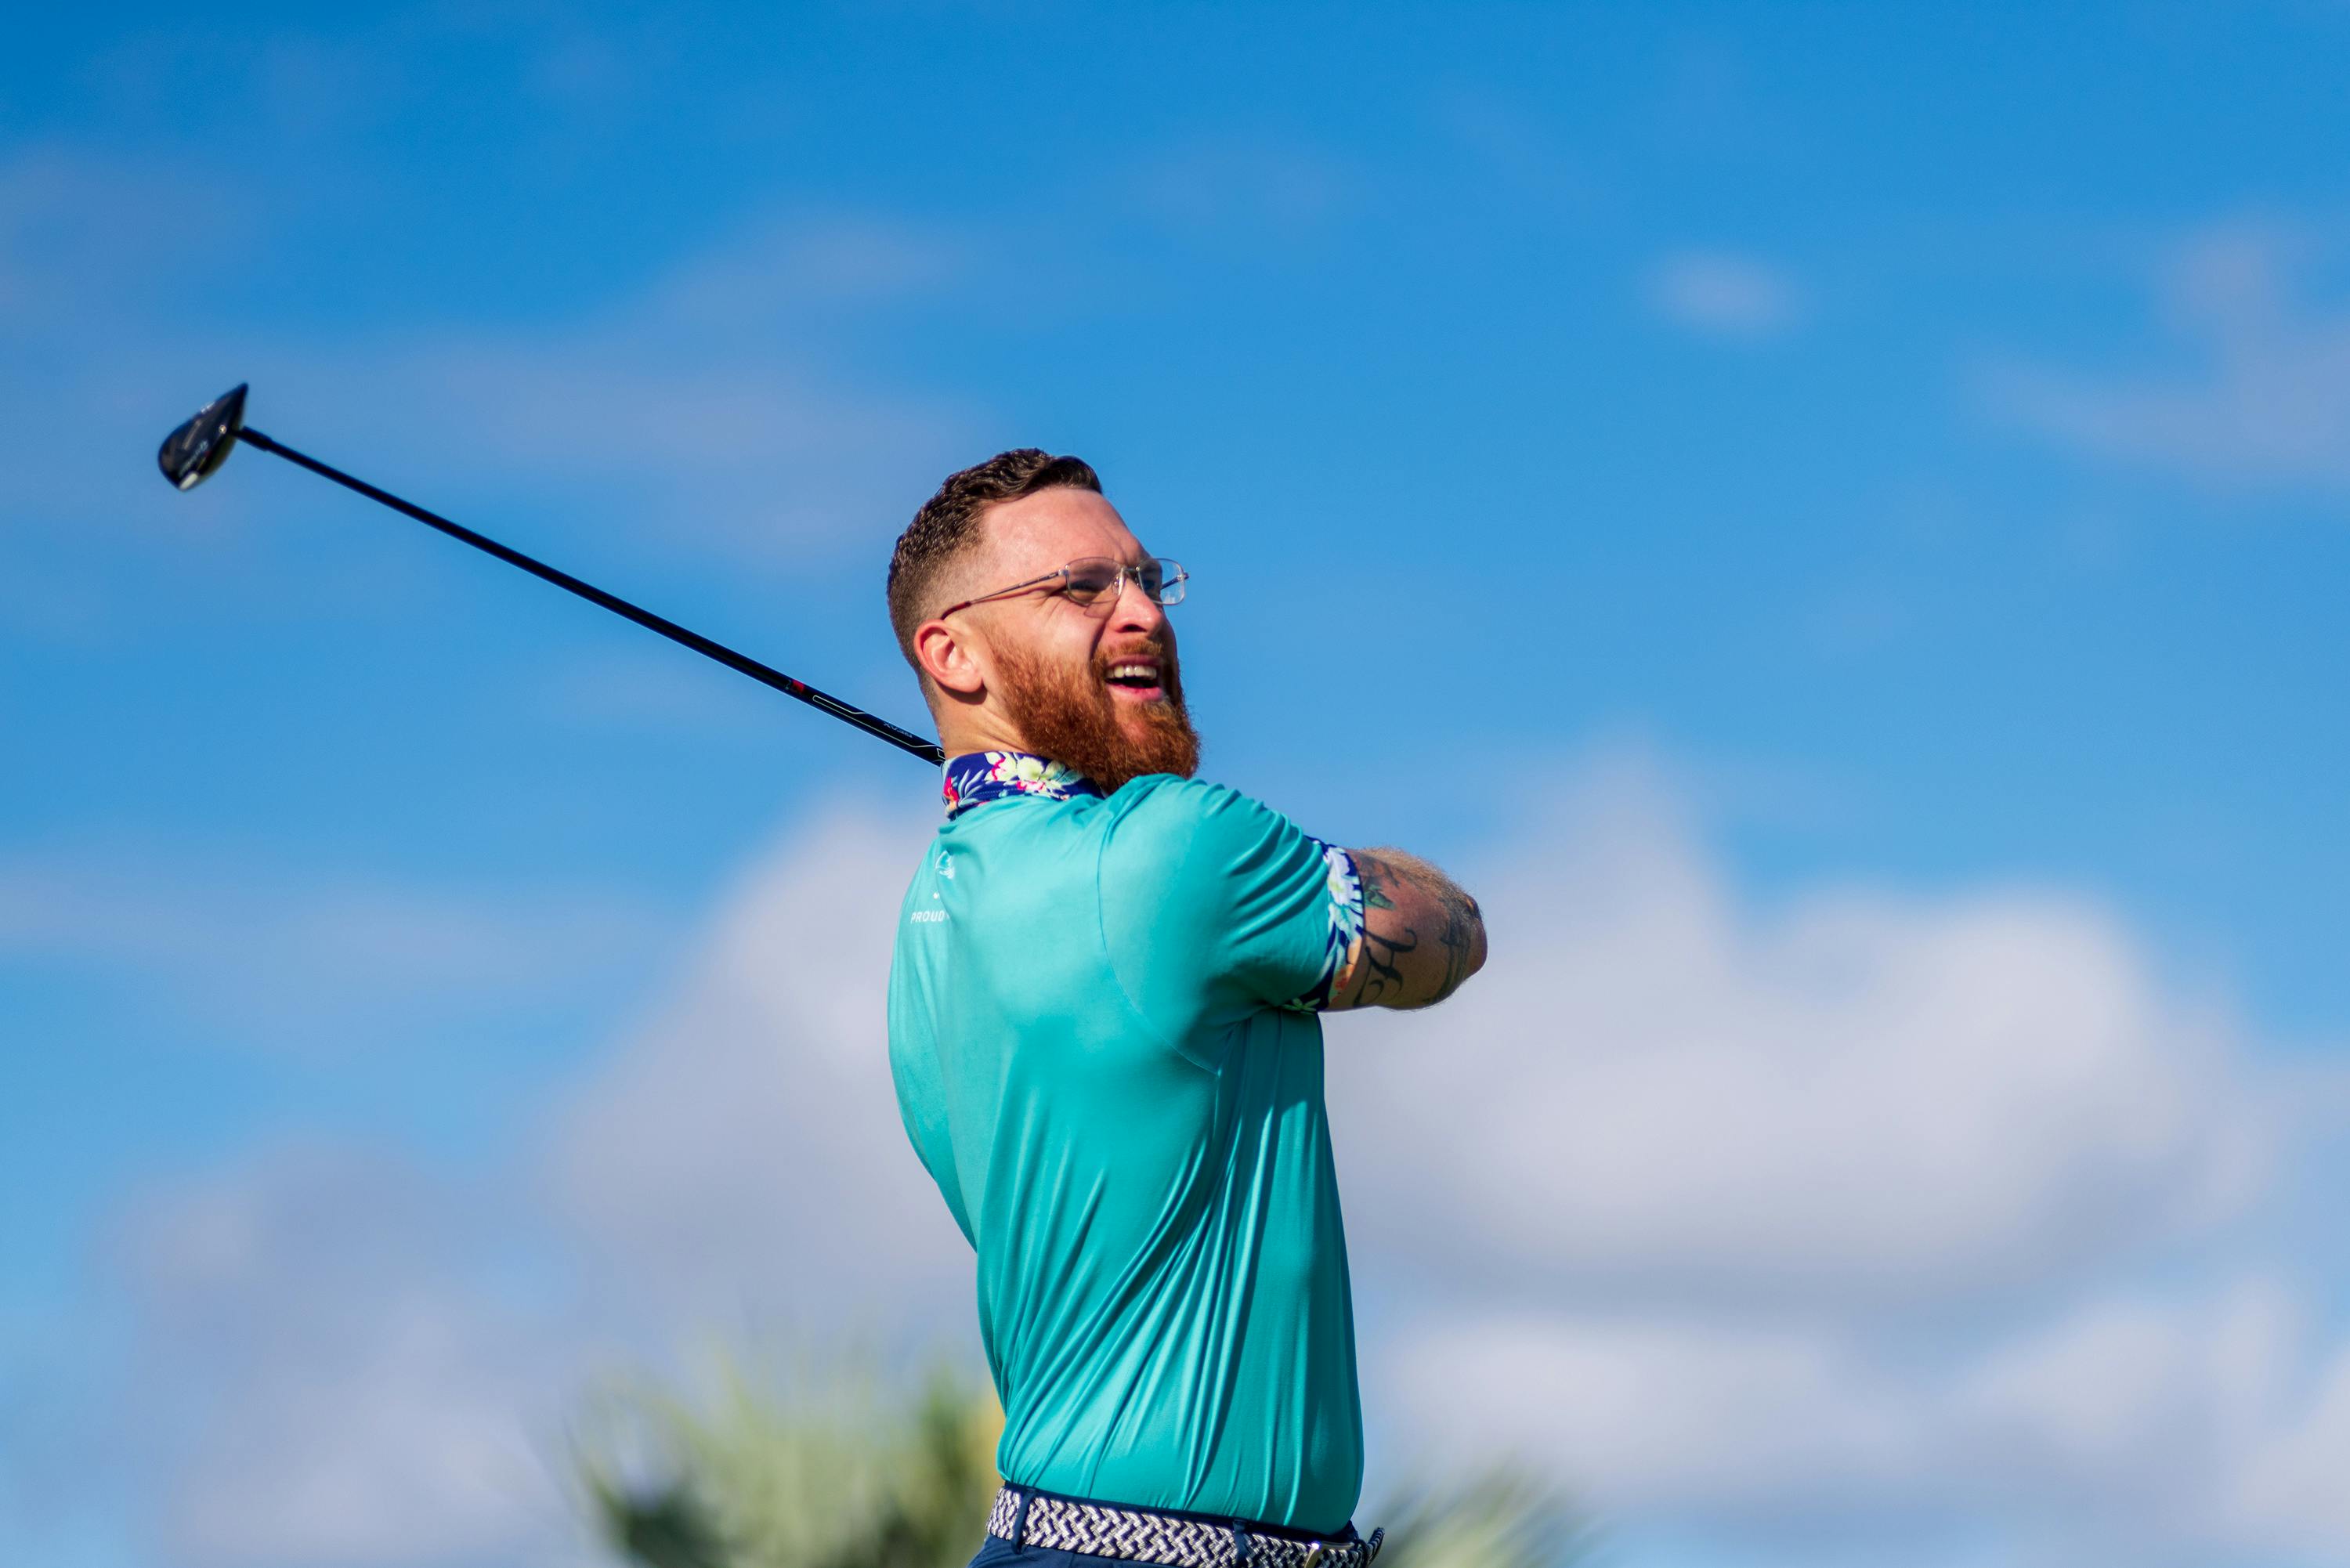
(882, 729)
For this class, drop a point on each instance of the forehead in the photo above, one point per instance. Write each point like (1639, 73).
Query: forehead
(1040, 532)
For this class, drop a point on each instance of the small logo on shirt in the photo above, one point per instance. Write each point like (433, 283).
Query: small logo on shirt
(927, 917)
(946, 865)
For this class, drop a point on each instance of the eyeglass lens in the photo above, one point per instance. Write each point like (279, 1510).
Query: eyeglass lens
(1089, 579)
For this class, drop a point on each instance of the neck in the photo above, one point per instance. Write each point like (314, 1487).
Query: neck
(965, 729)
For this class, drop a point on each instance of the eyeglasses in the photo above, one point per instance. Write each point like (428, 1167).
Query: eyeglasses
(1084, 581)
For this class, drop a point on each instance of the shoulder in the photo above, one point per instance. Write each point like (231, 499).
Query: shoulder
(1172, 835)
(1163, 811)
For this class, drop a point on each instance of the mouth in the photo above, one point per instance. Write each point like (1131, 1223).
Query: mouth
(1135, 679)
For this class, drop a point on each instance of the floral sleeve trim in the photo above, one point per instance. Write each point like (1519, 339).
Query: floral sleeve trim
(1343, 890)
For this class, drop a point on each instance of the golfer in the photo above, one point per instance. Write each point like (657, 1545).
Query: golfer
(1103, 1032)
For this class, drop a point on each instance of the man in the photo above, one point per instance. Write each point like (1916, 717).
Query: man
(1103, 1031)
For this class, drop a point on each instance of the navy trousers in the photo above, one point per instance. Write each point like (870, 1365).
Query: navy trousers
(998, 1552)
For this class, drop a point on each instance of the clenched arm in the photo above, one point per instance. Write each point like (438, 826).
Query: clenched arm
(1422, 936)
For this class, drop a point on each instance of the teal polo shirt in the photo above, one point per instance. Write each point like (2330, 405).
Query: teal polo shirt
(1102, 1034)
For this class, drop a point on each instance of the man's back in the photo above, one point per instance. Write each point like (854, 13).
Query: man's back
(1101, 1035)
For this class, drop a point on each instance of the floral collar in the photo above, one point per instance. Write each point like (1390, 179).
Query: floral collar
(977, 777)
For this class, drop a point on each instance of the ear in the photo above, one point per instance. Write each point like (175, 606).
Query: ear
(947, 656)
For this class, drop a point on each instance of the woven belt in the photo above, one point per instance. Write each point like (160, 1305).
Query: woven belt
(1179, 1540)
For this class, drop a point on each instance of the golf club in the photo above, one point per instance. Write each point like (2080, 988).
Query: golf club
(194, 451)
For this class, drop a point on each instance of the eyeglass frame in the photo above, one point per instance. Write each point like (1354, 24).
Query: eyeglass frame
(1171, 575)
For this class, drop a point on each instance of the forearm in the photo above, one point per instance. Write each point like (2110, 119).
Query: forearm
(1422, 935)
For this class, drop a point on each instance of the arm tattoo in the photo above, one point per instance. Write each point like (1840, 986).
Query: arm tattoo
(1377, 967)
(1380, 973)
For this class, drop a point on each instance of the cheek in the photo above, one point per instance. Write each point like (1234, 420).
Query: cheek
(1073, 643)
(1049, 648)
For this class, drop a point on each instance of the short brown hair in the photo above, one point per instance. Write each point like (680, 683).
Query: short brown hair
(948, 524)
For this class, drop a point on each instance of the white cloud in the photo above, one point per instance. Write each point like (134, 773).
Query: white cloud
(2265, 399)
(402, 1446)
(333, 1374)
(1720, 294)
(2291, 1490)
(1856, 1096)
(2140, 1392)
(2124, 1428)
(1646, 1415)
(742, 1148)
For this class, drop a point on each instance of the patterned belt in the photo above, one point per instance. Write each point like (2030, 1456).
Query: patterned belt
(1176, 1540)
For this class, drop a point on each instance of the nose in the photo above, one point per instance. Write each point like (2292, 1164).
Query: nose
(1136, 611)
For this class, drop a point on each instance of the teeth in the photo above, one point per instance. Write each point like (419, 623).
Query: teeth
(1132, 672)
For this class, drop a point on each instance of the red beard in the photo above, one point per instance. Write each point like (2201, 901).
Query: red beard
(1069, 716)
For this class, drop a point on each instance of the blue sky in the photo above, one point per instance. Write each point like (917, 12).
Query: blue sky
(1830, 456)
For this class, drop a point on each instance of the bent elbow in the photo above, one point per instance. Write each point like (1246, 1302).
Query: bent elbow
(1464, 946)
(1474, 961)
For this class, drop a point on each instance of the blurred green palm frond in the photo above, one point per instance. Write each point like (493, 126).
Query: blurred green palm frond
(1503, 1518)
(840, 1470)
(807, 1472)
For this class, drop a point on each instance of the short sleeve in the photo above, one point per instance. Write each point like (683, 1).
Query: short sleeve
(1216, 904)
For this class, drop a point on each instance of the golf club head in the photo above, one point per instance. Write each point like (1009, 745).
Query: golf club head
(190, 452)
